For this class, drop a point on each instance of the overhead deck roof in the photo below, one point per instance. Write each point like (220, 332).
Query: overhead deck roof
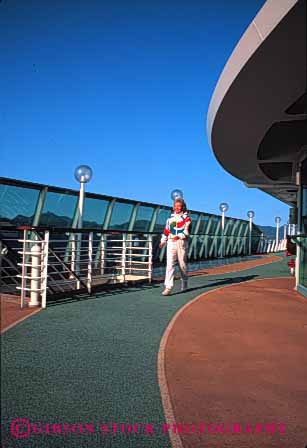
(257, 118)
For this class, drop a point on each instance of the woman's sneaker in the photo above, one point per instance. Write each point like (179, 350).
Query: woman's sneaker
(166, 292)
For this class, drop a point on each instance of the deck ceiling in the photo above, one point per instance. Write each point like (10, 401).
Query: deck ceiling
(257, 119)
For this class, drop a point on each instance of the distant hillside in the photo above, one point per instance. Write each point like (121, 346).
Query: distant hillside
(270, 232)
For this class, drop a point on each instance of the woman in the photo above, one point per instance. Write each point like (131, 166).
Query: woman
(176, 235)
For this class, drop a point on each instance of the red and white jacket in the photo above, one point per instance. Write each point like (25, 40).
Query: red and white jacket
(178, 224)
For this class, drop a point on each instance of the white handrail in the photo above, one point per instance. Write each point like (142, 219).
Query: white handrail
(48, 263)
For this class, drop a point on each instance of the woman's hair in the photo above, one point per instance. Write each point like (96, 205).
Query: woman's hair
(183, 204)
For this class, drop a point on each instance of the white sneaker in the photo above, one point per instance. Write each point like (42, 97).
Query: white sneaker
(166, 292)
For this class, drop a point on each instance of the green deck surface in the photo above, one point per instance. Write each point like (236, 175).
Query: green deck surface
(95, 361)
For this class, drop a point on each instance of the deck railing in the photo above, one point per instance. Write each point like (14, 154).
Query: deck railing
(40, 262)
(50, 261)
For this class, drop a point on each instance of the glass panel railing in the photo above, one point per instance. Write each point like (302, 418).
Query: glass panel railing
(17, 205)
(59, 209)
(161, 219)
(203, 224)
(215, 228)
(229, 224)
(143, 218)
(235, 228)
(121, 215)
(94, 212)
(194, 218)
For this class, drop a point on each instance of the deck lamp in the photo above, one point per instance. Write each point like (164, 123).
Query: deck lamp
(224, 207)
(176, 194)
(277, 222)
(83, 174)
(250, 215)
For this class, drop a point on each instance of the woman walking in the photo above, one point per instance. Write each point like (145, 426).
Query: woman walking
(175, 235)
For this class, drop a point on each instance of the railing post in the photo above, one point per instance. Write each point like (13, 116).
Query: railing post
(75, 247)
(35, 275)
(269, 249)
(90, 260)
(102, 253)
(78, 259)
(78, 254)
(23, 270)
(44, 268)
(150, 258)
(261, 246)
(130, 253)
(124, 258)
(73, 253)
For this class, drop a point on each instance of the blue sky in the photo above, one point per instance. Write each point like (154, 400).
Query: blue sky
(123, 86)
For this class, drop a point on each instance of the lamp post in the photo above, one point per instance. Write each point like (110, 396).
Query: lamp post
(224, 207)
(176, 194)
(277, 222)
(83, 174)
(250, 215)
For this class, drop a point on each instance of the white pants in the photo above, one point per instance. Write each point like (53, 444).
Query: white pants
(176, 250)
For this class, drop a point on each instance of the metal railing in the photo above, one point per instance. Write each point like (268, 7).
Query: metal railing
(41, 262)
(271, 245)
(50, 261)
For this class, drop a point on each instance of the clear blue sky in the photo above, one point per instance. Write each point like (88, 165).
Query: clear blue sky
(123, 86)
